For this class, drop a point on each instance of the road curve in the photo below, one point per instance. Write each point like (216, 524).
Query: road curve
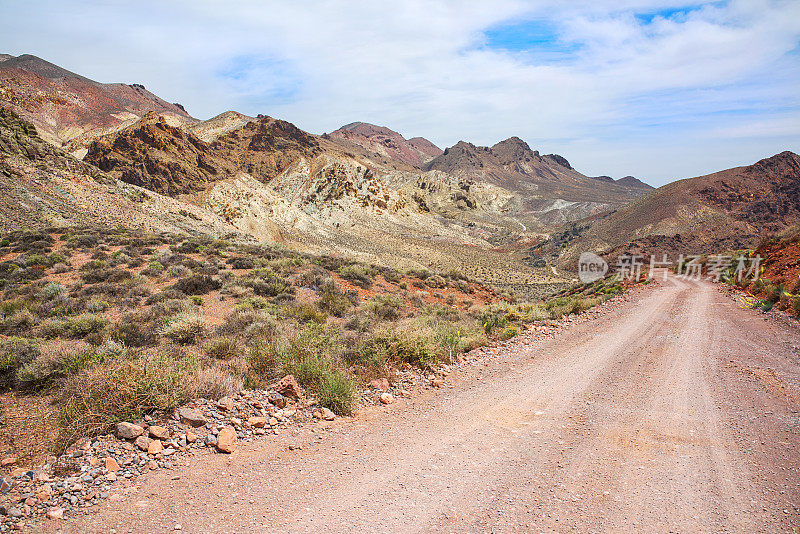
(677, 412)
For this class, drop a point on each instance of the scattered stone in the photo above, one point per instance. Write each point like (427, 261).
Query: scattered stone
(277, 399)
(128, 431)
(288, 387)
(437, 383)
(142, 442)
(111, 464)
(257, 422)
(191, 437)
(191, 416)
(387, 398)
(327, 414)
(158, 432)
(226, 440)
(55, 513)
(226, 403)
(381, 384)
(5, 462)
(14, 512)
(155, 447)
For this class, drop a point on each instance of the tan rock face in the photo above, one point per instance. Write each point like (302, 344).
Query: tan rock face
(257, 422)
(155, 447)
(387, 398)
(227, 440)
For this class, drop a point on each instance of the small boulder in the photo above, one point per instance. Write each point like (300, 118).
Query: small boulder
(155, 447)
(158, 432)
(55, 513)
(276, 399)
(191, 437)
(191, 416)
(111, 464)
(5, 462)
(142, 442)
(257, 422)
(226, 403)
(327, 414)
(437, 383)
(128, 431)
(226, 440)
(288, 387)
(387, 398)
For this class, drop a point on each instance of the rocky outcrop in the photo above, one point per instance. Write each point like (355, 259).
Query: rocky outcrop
(387, 143)
(68, 108)
(163, 158)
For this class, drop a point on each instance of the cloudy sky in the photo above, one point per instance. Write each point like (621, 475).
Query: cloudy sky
(661, 90)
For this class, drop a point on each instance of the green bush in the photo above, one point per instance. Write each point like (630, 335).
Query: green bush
(222, 348)
(385, 307)
(83, 325)
(509, 333)
(309, 313)
(436, 282)
(337, 392)
(53, 289)
(333, 300)
(185, 329)
(358, 275)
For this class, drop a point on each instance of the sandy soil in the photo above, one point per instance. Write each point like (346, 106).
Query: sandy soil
(677, 412)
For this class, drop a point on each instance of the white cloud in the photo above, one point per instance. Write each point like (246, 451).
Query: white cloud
(629, 88)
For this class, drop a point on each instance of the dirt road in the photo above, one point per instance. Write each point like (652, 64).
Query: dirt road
(678, 412)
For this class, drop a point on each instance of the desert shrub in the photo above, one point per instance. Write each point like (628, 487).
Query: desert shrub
(60, 268)
(214, 383)
(492, 319)
(97, 306)
(390, 275)
(241, 262)
(263, 358)
(83, 325)
(185, 329)
(55, 360)
(197, 300)
(17, 323)
(168, 294)
(133, 330)
(385, 307)
(123, 389)
(14, 353)
(309, 313)
(359, 275)
(773, 292)
(333, 300)
(403, 286)
(766, 305)
(436, 281)
(53, 289)
(393, 346)
(337, 392)
(179, 271)
(222, 348)
(510, 332)
(50, 328)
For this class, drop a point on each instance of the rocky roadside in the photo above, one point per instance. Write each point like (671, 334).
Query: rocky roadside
(99, 468)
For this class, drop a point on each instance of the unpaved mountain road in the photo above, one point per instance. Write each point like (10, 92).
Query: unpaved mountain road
(677, 412)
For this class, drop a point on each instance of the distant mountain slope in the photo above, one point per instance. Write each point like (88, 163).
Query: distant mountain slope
(551, 190)
(44, 186)
(708, 214)
(385, 142)
(67, 107)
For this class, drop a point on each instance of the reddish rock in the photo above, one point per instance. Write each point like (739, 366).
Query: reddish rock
(226, 440)
(288, 387)
(111, 464)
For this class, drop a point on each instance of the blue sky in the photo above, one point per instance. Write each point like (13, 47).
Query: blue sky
(661, 90)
